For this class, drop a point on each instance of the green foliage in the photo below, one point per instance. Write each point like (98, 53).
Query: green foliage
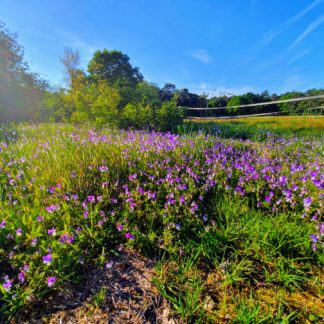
(56, 107)
(291, 107)
(167, 92)
(302, 107)
(247, 99)
(234, 101)
(95, 102)
(169, 116)
(138, 116)
(21, 91)
(147, 94)
(113, 66)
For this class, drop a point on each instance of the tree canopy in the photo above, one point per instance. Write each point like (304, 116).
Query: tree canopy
(113, 67)
(21, 90)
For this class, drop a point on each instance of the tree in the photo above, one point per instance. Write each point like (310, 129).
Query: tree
(249, 98)
(115, 69)
(167, 92)
(70, 60)
(57, 107)
(234, 101)
(95, 102)
(139, 116)
(291, 107)
(113, 66)
(21, 91)
(169, 116)
(147, 94)
(188, 99)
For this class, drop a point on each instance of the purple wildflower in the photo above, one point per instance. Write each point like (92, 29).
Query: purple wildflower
(104, 185)
(129, 236)
(47, 258)
(182, 200)
(91, 199)
(103, 168)
(151, 195)
(132, 177)
(321, 227)
(52, 208)
(51, 231)
(307, 202)
(109, 265)
(22, 276)
(51, 281)
(193, 207)
(314, 238)
(3, 224)
(7, 284)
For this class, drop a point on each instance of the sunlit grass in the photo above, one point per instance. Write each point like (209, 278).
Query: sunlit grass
(224, 218)
(275, 122)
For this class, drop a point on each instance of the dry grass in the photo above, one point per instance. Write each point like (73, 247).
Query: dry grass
(127, 295)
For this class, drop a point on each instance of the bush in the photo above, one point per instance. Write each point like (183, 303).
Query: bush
(169, 116)
(137, 116)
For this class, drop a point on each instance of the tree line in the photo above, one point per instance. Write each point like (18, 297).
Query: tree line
(111, 91)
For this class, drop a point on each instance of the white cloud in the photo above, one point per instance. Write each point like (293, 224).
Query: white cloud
(316, 23)
(201, 55)
(219, 90)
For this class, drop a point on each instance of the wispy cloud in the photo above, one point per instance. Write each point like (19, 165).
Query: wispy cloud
(297, 57)
(272, 34)
(76, 42)
(293, 82)
(249, 59)
(269, 36)
(316, 23)
(201, 55)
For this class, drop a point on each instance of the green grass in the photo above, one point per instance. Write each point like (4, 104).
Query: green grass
(233, 258)
(258, 128)
(244, 252)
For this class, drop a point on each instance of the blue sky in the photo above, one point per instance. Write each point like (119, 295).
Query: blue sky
(214, 46)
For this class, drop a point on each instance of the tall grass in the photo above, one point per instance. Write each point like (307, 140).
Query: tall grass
(229, 220)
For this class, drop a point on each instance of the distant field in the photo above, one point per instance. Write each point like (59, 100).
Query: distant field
(274, 122)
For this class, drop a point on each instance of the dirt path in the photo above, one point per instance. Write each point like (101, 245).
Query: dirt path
(123, 293)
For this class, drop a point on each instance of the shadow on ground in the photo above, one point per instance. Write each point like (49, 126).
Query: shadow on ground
(123, 293)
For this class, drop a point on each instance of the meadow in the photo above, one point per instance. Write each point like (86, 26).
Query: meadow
(230, 214)
(258, 127)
